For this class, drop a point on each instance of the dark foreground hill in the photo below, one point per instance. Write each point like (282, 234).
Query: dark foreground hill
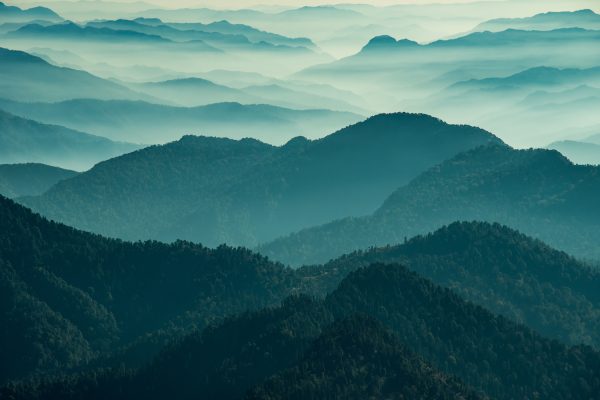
(538, 192)
(71, 300)
(68, 297)
(214, 191)
(498, 268)
(295, 352)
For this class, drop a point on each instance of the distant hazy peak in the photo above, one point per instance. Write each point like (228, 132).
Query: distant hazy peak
(544, 21)
(185, 81)
(384, 42)
(148, 21)
(542, 75)
(31, 12)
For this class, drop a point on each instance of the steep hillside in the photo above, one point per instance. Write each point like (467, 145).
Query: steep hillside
(245, 192)
(359, 358)
(23, 140)
(69, 298)
(538, 192)
(30, 179)
(495, 267)
(295, 352)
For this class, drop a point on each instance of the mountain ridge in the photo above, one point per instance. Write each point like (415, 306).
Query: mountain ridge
(246, 204)
(533, 191)
(25, 140)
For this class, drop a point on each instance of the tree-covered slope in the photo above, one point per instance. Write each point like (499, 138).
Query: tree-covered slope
(23, 141)
(295, 352)
(505, 360)
(72, 300)
(71, 297)
(495, 267)
(30, 179)
(358, 358)
(538, 192)
(245, 192)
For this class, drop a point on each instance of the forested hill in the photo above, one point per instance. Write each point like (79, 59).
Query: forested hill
(538, 192)
(68, 297)
(215, 191)
(76, 300)
(358, 358)
(30, 179)
(293, 351)
(496, 267)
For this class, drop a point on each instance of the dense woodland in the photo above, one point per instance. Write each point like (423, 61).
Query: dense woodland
(112, 304)
(273, 353)
(69, 297)
(498, 268)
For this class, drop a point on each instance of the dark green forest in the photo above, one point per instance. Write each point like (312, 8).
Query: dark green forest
(77, 302)
(69, 297)
(311, 347)
(498, 268)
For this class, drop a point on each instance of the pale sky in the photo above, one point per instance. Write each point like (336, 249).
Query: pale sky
(237, 3)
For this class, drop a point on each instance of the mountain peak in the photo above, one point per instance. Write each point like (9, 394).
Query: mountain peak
(384, 42)
(403, 124)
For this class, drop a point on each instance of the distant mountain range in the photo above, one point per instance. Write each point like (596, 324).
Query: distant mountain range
(24, 77)
(30, 179)
(150, 39)
(578, 152)
(142, 122)
(222, 34)
(542, 104)
(15, 14)
(117, 303)
(401, 74)
(153, 32)
(538, 192)
(538, 77)
(245, 192)
(71, 31)
(586, 19)
(23, 141)
(475, 41)
(193, 92)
